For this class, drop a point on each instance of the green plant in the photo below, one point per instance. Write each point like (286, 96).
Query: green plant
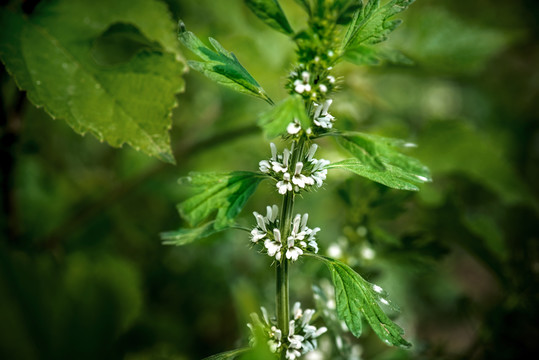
(337, 30)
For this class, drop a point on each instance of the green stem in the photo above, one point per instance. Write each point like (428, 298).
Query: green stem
(283, 307)
(281, 269)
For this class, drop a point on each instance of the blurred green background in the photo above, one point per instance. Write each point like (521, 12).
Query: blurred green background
(83, 273)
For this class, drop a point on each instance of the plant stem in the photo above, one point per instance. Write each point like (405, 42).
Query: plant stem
(281, 269)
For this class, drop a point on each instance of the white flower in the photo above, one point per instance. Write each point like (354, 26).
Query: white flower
(264, 166)
(292, 354)
(299, 179)
(321, 116)
(331, 79)
(285, 184)
(311, 152)
(282, 167)
(323, 88)
(273, 151)
(294, 127)
(257, 234)
(318, 171)
(296, 310)
(271, 213)
(293, 251)
(294, 340)
(274, 246)
(302, 85)
(260, 220)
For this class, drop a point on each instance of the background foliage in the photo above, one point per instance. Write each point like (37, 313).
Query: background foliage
(83, 273)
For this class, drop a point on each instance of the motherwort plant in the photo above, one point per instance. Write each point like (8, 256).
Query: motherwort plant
(338, 30)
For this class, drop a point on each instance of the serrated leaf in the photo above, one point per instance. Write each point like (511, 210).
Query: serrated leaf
(355, 297)
(346, 9)
(369, 55)
(275, 121)
(377, 159)
(51, 56)
(186, 236)
(225, 193)
(372, 24)
(228, 355)
(271, 13)
(221, 65)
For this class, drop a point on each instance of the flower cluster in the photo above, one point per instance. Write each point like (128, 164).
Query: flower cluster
(301, 338)
(301, 238)
(308, 81)
(294, 177)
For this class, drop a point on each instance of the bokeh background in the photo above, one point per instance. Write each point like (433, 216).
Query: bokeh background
(83, 273)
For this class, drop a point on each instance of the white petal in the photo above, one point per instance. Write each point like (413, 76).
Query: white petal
(273, 151)
(277, 235)
(293, 128)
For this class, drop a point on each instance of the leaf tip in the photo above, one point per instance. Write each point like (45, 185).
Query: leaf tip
(181, 26)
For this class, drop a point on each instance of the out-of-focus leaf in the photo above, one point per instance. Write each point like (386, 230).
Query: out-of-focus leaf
(378, 160)
(305, 5)
(225, 193)
(454, 147)
(51, 56)
(356, 297)
(369, 55)
(486, 228)
(275, 121)
(229, 355)
(271, 13)
(119, 43)
(439, 40)
(372, 24)
(186, 236)
(221, 65)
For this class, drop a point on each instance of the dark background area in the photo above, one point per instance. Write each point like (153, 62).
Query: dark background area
(83, 273)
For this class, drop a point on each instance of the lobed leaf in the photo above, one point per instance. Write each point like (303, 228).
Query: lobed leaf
(377, 159)
(275, 121)
(372, 24)
(221, 65)
(225, 193)
(55, 56)
(271, 13)
(355, 297)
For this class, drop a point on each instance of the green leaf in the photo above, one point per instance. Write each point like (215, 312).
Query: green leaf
(377, 159)
(220, 65)
(356, 297)
(369, 55)
(372, 24)
(228, 355)
(225, 193)
(271, 13)
(275, 120)
(305, 4)
(186, 236)
(464, 150)
(54, 55)
(441, 41)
